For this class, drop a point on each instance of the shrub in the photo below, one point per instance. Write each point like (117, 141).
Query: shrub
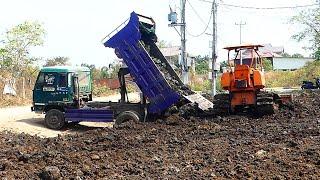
(98, 90)
(293, 78)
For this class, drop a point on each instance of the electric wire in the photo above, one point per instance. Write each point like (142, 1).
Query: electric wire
(196, 12)
(204, 31)
(268, 8)
(207, 24)
(262, 8)
(226, 11)
(206, 1)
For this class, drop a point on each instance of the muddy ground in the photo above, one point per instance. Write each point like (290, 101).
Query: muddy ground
(281, 146)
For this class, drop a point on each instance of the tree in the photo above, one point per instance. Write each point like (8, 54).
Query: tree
(95, 73)
(4, 60)
(285, 54)
(15, 55)
(104, 72)
(267, 64)
(202, 64)
(113, 69)
(317, 54)
(90, 66)
(110, 71)
(223, 64)
(297, 55)
(163, 44)
(309, 19)
(57, 61)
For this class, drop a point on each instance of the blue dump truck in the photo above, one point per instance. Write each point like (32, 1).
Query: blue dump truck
(63, 97)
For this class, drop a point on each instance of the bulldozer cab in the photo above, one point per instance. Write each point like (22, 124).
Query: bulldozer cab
(245, 55)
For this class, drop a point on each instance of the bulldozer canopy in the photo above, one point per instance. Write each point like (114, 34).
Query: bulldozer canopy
(247, 46)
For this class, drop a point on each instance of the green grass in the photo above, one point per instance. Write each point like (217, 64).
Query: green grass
(293, 78)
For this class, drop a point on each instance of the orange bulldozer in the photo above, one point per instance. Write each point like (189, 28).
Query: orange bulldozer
(245, 82)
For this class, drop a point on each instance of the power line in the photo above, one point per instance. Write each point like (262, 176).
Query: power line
(204, 31)
(263, 8)
(196, 12)
(207, 1)
(207, 24)
(240, 24)
(268, 8)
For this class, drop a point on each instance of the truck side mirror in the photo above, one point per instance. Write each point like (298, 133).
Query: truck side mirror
(76, 89)
(75, 84)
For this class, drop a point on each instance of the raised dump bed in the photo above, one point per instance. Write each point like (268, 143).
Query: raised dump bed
(135, 44)
(147, 76)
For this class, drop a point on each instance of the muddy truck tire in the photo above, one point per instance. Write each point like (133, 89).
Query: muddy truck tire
(127, 116)
(54, 119)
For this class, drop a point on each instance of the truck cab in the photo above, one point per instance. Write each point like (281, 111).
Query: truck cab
(59, 87)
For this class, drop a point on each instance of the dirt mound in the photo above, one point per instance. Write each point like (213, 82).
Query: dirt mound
(284, 145)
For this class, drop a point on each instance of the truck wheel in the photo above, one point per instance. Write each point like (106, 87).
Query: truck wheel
(127, 116)
(54, 119)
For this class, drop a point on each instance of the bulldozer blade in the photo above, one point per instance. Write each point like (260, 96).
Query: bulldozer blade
(286, 98)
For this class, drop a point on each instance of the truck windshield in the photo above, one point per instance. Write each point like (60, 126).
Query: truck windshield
(84, 78)
(49, 79)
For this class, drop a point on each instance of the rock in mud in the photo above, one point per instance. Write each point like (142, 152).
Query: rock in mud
(50, 173)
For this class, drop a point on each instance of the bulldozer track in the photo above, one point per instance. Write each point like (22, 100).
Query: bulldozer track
(265, 104)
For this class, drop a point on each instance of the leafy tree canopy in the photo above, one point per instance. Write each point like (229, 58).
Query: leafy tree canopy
(57, 61)
(17, 43)
(309, 19)
(202, 64)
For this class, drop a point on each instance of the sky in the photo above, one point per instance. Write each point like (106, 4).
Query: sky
(75, 28)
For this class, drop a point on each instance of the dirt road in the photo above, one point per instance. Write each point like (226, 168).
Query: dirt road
(22, 120)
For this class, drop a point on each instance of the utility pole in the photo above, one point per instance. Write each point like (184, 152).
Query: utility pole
(172, 17)
(214, 48)
(240, 29)
(184, 62)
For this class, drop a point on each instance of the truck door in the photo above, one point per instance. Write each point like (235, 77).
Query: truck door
(63, 89)
(45, 88)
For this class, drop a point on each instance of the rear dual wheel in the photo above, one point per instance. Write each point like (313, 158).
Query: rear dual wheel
(127, 116)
